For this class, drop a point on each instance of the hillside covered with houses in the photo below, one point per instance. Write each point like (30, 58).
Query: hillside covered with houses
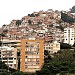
(48, 25)
(33, 43)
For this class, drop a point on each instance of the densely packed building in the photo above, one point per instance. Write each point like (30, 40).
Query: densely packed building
(43, 25)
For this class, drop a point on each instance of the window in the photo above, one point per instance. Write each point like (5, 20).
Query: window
(26, 56)
(37, 52)
(26, 43)
(10, 61)
(37, 62)
(14, 58)
(10, 58)
(49, 47)
(4, 58)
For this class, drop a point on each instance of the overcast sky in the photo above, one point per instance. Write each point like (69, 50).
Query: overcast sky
(16, 9)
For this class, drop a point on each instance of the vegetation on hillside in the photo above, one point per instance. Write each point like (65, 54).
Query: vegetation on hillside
(62, 63)
(18, 22)
(65, 46)
(73, 9)
(67, 18)
(4, 69)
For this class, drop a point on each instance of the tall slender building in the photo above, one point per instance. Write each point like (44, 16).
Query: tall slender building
(69, 36)
(32, 55)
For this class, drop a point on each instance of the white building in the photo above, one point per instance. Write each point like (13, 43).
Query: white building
(9, 56)
(9, 51)
(53, 47)
(69, 36)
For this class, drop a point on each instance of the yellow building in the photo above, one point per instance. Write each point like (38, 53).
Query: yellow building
(32, 55)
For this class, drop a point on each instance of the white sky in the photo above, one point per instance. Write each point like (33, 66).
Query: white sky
(16, 9)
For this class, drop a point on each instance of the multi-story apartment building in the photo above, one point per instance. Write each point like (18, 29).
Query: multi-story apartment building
(9, 56)
(69, 35)
(53, 47)
(32, 55)
(9, 52)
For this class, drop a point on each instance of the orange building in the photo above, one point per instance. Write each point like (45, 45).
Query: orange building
(32, 55)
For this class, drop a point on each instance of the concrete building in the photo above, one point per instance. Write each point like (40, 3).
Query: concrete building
(9, 56)
(69, 35)
(9, 52)
(32, 55)
(53, 47)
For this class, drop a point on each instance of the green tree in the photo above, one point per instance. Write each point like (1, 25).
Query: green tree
(62, 63)
(4, 73)
(74, 45)
(73, 9)
(60, 27)
(47, 56)
(65, 46)
(4, 25)
(67, 18)
(18, 22)
(3, 69)
(30, 22)
(3, 65)
(31, 15)
(18, 73)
